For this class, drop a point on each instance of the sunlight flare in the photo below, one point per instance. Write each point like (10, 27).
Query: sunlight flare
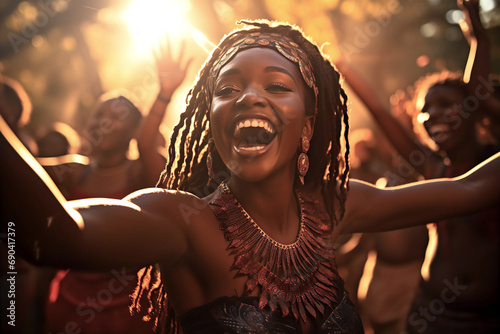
(150, 20)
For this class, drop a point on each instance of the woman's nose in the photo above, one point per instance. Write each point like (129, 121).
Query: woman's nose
(251, 97)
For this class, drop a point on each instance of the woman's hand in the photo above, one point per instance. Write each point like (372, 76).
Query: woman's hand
(171, 72)
(471, 25)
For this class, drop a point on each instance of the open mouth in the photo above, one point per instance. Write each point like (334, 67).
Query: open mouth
(439, 132)
(253, 135)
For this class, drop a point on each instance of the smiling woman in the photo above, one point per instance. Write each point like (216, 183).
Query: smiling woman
(231, 240)
(249, 92)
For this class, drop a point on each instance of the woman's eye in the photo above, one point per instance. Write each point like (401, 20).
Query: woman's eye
(226, 90)
(278, 87)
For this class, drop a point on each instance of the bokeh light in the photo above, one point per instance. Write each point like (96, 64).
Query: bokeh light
(66, 57)
(202, 41)
(422, 117)
(423, 61)
(487, 5)
(150, 20)
(454, 16)
(429, 29)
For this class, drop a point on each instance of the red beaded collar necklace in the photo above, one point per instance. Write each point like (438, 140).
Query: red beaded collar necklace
(300, 277)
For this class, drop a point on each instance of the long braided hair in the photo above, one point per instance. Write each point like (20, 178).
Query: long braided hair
(187, 170)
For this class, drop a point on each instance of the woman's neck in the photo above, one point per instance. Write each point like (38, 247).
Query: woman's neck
(272, 204)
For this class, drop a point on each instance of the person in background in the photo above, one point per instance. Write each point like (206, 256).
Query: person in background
(386, 279)
(88, 299)
(58, 139)
(463, 251)
(239, 235)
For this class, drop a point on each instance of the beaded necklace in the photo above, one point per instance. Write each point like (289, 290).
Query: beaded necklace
(300, 277)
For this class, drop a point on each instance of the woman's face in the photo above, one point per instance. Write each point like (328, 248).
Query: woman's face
(258, 114)
(111, 127)
(447, 122)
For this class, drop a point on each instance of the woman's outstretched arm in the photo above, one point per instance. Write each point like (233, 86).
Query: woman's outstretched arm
(99, 234)
(370, 209)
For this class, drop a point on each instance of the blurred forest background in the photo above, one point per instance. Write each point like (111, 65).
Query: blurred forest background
(66, 53)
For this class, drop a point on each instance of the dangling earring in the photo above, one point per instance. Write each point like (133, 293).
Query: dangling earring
(210, 161)
(303, 161)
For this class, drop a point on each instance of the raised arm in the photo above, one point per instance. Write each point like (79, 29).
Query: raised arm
(171, 73)
(477, 72)
(96, 234)
(404, 143)
(370, 209)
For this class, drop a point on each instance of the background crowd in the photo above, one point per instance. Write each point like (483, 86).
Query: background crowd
(424, 80)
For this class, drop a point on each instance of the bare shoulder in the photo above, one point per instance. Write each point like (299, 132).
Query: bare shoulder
(179, 206)
(359, 195)
(154, 197)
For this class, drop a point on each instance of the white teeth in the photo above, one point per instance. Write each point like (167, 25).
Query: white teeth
(254, 123)
(439, 128)
(251, 148)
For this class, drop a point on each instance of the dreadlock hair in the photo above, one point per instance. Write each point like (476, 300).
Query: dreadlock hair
(186, 168)
(421, 87)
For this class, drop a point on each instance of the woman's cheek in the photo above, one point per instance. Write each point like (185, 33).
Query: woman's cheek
(215, 114)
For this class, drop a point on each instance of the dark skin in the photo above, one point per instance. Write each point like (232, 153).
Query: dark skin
(179, 231)
(268, 94)
(446, 125)
(113, 125)
(451, 125)
(443, 105)
(477, 72)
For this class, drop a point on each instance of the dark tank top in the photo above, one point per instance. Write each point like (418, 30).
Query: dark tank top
(243, 315)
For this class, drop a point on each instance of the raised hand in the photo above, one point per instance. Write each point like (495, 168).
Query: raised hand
(171, 71)
(471, 25)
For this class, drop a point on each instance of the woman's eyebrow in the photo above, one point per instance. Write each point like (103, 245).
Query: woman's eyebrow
(230, 71)
(269, 69)
(279, 69)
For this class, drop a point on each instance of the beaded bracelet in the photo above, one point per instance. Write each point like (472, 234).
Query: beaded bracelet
(163, 99)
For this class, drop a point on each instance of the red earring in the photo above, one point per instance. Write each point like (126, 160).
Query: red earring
(303, 161)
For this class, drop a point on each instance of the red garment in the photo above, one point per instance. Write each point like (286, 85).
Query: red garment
(95, 303)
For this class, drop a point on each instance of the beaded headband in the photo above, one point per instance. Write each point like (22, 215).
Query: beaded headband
(283, 44)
